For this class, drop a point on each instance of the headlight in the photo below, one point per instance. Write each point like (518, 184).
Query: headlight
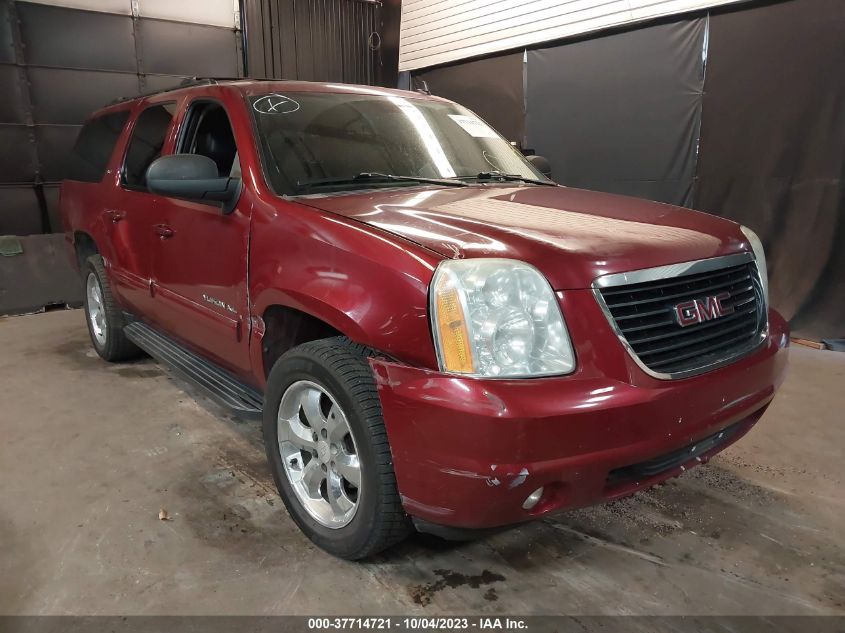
(760, 257)
(497, 318)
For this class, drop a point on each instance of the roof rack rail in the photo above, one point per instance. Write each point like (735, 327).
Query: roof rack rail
(187, 83)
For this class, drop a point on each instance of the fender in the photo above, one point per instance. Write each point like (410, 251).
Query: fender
(339, 271)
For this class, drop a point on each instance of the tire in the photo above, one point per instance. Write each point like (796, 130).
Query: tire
(339, 369)
(106, 329)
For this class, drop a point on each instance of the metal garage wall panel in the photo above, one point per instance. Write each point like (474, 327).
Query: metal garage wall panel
(493, 88)
(174, 48)
(621, 113)
(17, 158)
(153, 83)
(51, 199)
(213, 12)
(56, 97)
(7, 43)
(11, 96)
(68, 38)
(19, 211)
(54, 149)
(437, 32)
(39, 277)
(123, 7)
(773, 149)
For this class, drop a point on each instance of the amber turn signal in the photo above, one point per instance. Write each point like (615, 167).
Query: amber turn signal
(455, 350)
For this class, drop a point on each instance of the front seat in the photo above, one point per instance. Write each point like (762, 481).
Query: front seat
(215, 140)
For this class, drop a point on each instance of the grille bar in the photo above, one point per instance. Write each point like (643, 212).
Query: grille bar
(644, 308)
(703, 326)
(702, 351)
(703, 291)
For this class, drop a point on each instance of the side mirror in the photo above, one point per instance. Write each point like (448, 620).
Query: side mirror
(193, 177)
(542, 164)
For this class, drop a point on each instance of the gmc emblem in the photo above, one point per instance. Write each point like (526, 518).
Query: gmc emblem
(700, 310)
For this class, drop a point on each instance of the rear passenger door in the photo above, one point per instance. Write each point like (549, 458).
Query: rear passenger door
(133, 211)
(201, 256)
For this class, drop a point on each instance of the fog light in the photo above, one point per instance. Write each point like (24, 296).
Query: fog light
(533, 499)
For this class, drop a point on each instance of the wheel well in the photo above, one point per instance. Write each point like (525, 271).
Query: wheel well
(285, 328)
(85, 247)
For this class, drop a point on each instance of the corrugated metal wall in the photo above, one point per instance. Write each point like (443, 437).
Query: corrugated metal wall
(313, 40)
(440, 31)
(61, 60)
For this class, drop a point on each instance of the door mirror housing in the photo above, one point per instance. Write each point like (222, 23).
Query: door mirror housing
(542, 164)
(193, 177)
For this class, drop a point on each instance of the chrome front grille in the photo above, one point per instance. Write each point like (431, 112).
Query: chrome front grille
(643, 307)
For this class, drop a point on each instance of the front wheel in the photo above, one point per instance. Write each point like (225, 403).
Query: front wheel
(328, 449)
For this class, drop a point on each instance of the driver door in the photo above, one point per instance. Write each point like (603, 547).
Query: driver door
(200, 267)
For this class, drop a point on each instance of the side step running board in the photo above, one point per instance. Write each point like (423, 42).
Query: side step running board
(218, 384)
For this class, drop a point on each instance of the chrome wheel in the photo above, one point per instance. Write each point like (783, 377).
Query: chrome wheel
(319, 454)
(96, 309)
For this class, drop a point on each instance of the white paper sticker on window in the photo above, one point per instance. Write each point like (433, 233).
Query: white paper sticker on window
(474, 126)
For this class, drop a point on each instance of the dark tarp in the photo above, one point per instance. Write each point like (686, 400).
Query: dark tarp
(621, 113)
(492, 88)
(331, 40)
(773, 149)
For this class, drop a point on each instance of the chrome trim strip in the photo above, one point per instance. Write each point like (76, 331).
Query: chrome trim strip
(668, 272)
(672, 270)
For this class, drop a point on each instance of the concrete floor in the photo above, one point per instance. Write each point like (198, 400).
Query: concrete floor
(91, 452)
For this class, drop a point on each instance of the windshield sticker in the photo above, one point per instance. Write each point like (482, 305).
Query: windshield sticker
(474, 126)
(275, 104)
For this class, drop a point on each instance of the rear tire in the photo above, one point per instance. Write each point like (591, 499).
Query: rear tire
(103, 316)
(331, 417)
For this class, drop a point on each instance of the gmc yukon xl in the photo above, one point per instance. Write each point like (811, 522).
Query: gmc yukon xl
(435, 335)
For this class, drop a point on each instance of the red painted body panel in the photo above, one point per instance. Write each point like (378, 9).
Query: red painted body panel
(468, 452)
(572, 235)
(362, 263)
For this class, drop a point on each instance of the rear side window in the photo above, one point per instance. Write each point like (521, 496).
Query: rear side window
(148, 137)
(94, 146)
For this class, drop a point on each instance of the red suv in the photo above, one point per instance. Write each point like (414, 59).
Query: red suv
(435, 335)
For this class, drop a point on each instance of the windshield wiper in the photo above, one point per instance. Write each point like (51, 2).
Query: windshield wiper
(374, 176)
(498, 175)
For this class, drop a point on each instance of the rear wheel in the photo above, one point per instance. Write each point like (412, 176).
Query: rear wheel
(328, 449)
(103, 316)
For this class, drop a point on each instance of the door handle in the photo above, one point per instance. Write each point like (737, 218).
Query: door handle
(115, 216)
(163, 231)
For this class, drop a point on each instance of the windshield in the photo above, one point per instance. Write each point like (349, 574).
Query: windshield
(318, 142)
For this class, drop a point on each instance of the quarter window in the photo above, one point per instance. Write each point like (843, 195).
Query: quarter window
(94, 146)
(148, 138)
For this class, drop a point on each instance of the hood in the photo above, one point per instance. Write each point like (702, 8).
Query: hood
(571, 235)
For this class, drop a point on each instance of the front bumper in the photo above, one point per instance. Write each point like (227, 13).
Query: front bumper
(467, 452)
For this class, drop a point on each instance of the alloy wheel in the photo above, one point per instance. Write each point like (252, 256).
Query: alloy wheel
(95, 308)
(319, 454)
